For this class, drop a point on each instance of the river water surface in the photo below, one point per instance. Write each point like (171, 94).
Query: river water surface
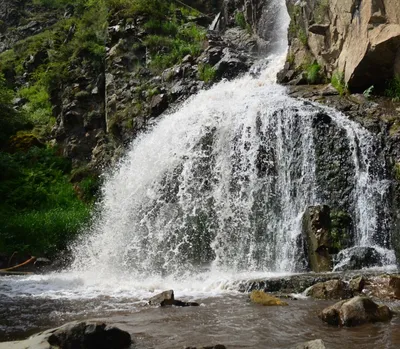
(225, 316)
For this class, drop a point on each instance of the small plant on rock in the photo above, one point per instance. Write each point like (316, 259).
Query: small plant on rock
(206, 72)
(339, 84)
(240, 20)
(313, 72)
(368, 92)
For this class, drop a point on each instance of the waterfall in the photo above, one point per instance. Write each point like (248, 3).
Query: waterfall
(221, 184)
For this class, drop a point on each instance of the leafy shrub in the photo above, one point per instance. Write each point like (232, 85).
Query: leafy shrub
(368, 92)
(10, 121)
(313, 73)
(393, 88)
(40, 209)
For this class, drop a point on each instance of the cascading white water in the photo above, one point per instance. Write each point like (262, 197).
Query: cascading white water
(221, 184)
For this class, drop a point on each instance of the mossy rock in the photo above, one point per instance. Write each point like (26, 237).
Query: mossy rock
(260, 297)
(23, 141)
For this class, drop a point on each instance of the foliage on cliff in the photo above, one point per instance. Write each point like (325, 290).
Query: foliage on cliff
(41, 210)
(44, 201)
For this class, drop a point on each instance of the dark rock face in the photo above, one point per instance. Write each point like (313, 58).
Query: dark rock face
(19, 20)
(357, 258)
(90, 335)
(136, 95)
(77, 335)
(316, 232)
(334, 166)
(354, 312)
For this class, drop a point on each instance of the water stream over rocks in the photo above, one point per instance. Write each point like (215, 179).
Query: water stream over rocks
(213, 194)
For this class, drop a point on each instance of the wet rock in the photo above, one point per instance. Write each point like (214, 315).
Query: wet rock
(163, 298)
(260, 297)
(158, 104)
(77, 335)
(90, 335)
(316, 232)
(167, 298)
(333, 289)
(394, 283)
(231, 64)
(383, 287)
(356, 311)
(357, 284)
(315, 344)
(356, 258)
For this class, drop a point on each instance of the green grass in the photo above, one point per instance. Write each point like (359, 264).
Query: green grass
(40, 207)
(240, 20)
(166, 50)
(393, 89)
(339, 84)
(42, 232)
(206, 73)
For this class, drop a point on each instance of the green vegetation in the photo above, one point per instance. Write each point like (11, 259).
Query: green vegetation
(339, 84)
(169, 43)
(368, 92)
(207, 73)
(313, 73)
(240, 20)
(393, 89)
(321, 10)
(296, 26)
(40, 209)
(44, 201)
(10, 120)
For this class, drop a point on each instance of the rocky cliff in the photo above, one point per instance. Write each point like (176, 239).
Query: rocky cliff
(357, 40)
(92, 75)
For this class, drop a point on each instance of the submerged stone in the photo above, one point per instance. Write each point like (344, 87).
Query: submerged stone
(260, 297)
(315, 344)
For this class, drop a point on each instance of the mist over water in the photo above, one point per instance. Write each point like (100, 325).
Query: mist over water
(214, 193)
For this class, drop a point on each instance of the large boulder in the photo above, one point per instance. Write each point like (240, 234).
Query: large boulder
(332, 289)
(357, 258)
(76, 335)
(316, 233)
(356, 311)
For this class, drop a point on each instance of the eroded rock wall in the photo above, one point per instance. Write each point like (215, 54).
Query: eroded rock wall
(359, 39)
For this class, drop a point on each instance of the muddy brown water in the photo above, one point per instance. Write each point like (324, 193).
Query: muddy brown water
(228, 319)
